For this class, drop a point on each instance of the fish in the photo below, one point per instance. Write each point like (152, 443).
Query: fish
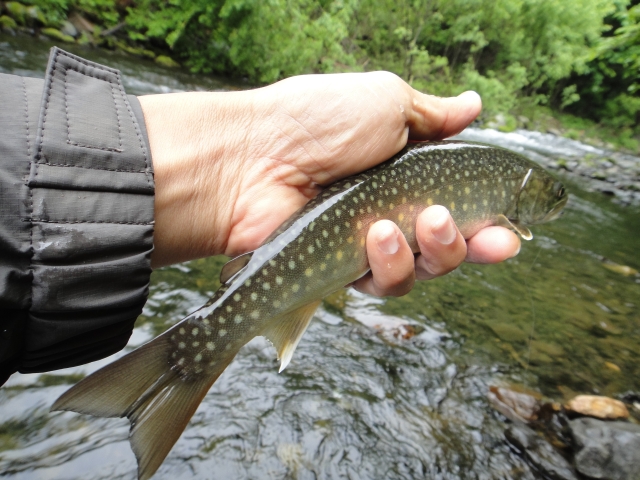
(275, 290)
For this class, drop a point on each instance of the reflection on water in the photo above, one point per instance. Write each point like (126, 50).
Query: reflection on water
(392, 388)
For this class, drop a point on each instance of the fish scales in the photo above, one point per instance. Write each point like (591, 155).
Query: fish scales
(274, 290)
(323, 249)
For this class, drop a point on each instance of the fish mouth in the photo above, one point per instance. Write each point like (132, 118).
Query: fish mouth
(557, 210)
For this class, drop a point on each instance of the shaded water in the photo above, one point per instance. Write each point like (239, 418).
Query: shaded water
(378, 388)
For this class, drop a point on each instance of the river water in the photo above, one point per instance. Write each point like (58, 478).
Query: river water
(378, 388)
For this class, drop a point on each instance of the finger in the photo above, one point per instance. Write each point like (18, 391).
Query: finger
(492, 245)
(433, 118)
(391, 261)
(442, 247)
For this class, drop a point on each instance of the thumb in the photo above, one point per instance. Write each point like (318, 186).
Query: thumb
(434, 118)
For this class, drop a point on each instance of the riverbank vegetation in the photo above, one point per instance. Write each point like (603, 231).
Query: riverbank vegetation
(571, 65)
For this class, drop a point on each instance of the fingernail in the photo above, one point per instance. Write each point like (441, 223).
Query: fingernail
(388, 240)
(471, 94)
(445, 233)
(517, 251)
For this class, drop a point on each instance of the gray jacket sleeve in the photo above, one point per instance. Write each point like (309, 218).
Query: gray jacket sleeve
(76, 216)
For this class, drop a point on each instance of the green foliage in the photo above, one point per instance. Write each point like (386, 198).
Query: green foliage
(262, 40)
(575, 56)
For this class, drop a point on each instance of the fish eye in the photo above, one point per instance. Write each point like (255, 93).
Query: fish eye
(560, 192)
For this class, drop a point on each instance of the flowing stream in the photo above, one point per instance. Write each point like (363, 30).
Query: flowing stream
(378, 388)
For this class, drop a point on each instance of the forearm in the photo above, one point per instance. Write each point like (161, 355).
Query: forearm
(76, 198)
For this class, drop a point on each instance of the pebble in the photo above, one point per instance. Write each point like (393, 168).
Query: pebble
(596, 406)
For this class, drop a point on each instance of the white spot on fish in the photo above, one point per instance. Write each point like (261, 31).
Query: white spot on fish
(279, 280)
(266, 286)
(222, 332)
(211, 346)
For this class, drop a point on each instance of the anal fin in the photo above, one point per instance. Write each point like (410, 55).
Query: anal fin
(285, 331)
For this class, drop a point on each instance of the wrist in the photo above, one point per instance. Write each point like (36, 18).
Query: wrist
(196, 142)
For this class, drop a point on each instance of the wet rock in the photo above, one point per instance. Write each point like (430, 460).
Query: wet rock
(17, 11)
(516, 406)
(539, 453)
(7, 23)
(80, 23)
(606, 450)
(69, 29)
(166, 61)
(597, 406)
(57, 35)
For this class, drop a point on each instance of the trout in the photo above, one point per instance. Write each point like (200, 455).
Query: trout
(275, 290)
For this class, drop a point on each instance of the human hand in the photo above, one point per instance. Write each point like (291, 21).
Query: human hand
(231, 167)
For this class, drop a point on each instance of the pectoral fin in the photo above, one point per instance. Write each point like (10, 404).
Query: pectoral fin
(285, 332)
(233, 266)
(524, 232)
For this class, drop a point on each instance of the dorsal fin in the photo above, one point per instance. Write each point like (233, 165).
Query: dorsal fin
(233, 266)
(524, 232)
(285, 331)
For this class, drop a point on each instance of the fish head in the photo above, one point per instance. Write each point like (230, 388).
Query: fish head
(541, 198)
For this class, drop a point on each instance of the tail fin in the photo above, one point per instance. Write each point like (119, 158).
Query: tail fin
(143, 387)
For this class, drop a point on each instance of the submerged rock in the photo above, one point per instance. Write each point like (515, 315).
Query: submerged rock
(539, 453)
(599, 407)
(606, 450)
(621, 269)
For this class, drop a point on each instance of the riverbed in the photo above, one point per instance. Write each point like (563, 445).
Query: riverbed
(378, 388)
